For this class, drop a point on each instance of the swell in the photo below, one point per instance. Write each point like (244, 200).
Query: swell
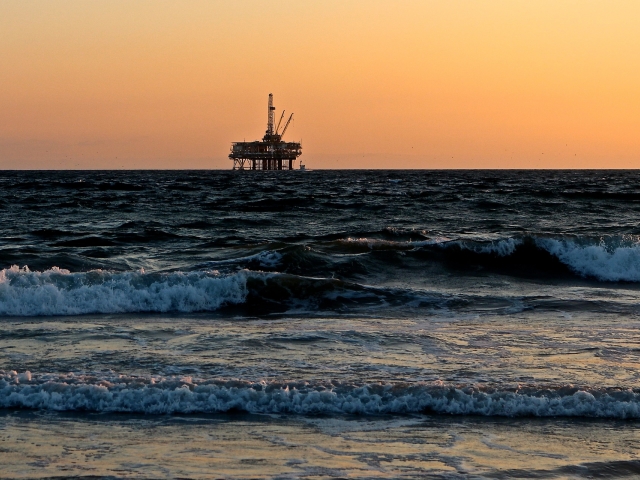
(332, 276)
(184, 395)
(605, 259)
(60, 292)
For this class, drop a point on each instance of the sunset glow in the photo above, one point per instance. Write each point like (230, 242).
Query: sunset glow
(373, 84)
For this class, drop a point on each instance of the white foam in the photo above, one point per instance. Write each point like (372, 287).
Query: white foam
(606, 263)
(380, 244)
(269, 259)
(157, 395)
(502, 248)
(621, 263)
(60, 292)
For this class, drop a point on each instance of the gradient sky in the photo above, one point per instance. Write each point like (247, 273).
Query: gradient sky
(373, 84)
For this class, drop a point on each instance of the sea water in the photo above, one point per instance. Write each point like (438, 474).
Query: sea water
(320, 323)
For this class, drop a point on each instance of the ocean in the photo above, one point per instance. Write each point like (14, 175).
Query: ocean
(321, 324)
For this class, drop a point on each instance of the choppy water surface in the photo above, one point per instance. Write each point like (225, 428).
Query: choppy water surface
(325, 298)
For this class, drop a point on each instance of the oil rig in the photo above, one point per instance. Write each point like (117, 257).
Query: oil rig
(270, 153)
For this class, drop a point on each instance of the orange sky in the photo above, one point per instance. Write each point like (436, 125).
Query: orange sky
(373, 84)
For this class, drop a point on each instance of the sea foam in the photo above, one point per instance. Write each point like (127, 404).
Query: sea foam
(612, 261)
(60, 292)
(157, 395)
(619, 263)
(502, 247)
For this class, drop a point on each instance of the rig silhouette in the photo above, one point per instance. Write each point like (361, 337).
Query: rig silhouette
(270, 153)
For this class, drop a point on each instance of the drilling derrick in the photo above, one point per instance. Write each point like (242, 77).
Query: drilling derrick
(270, 120)
(270, 153)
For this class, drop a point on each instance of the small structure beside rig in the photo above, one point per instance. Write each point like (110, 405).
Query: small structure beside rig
(270, 153)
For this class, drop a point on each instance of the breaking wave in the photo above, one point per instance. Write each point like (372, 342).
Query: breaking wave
(60, 292)
(605, 263)
(160, 395)
(302, 277)
(612, 259)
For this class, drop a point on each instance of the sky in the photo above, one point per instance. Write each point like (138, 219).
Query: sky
(373, 84)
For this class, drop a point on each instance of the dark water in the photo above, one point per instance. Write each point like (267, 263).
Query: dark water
(505, 294)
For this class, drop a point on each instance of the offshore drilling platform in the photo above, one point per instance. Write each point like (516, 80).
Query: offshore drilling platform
(270, 153)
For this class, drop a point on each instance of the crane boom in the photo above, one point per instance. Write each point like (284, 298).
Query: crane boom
(281, 117)
(286, 125)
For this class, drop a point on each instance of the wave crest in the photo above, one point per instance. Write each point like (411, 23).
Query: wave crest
(607, 259)
(60, 292)
(157, 395)
(612, 264)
